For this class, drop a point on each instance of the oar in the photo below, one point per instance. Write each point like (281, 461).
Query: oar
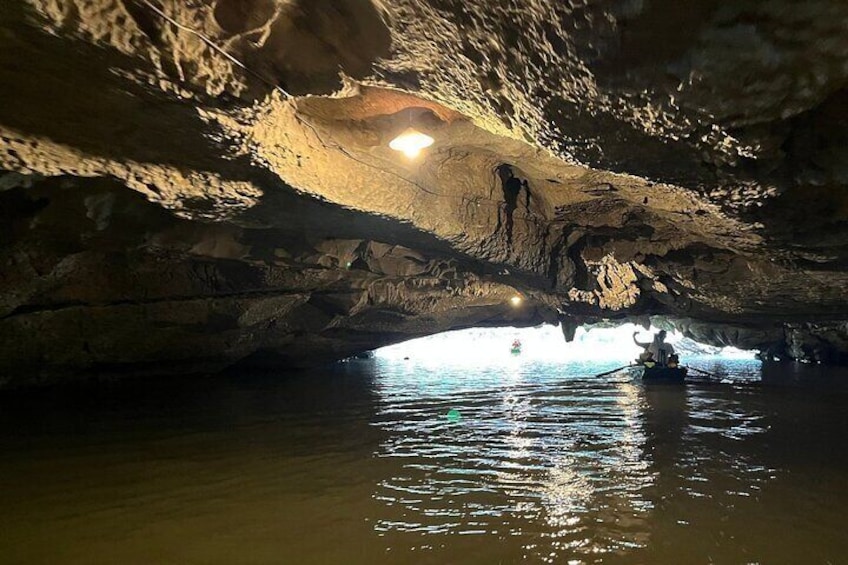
(703, 372)
(613, 371)
(718, 380)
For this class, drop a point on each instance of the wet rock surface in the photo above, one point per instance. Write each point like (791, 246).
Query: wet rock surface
(188, 186)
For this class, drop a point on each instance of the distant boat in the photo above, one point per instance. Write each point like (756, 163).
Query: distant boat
(516, 347)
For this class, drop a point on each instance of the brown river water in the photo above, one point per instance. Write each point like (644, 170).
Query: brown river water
(381, 461)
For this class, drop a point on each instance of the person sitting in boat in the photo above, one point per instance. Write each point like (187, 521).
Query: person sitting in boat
(646, 359)
(673, 361)
(658, 347)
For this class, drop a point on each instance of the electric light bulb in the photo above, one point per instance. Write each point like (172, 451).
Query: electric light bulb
(516, 300)
(410, 142)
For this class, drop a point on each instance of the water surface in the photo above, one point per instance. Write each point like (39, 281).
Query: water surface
(393, 461)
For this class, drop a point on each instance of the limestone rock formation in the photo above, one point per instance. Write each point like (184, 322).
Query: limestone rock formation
(190, 185)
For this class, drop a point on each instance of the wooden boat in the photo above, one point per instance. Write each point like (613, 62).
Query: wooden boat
(658, 373)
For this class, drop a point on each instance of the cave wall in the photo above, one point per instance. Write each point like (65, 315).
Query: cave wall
(101, 281)
(191, 185)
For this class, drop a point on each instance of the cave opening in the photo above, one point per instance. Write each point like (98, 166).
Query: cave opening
(545, 343)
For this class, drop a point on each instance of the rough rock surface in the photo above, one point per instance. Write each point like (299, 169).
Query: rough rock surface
(188, 185)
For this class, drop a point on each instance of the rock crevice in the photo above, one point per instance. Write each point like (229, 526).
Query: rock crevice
(190, 185)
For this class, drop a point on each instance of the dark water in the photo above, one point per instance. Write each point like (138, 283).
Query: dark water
(366, 463)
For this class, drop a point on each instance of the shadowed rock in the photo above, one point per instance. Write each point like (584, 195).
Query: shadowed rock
(167, 208)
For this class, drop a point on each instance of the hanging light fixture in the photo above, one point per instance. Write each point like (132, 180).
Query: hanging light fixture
(410, 142)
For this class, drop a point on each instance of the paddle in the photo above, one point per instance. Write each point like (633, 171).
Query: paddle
(716, 380)
(703, 372)
(613, 371)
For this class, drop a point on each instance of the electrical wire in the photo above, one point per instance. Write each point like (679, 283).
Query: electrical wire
(289, 96)
(214, 46)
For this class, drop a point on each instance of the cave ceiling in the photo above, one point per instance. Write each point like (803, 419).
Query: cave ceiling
(191, 184)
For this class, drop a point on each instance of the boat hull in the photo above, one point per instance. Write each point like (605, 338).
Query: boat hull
(659, 374)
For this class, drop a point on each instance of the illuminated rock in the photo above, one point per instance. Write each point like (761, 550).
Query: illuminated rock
(187, 198)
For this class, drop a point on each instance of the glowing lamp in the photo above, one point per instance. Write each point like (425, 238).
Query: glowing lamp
(516, 300)
(411, 142)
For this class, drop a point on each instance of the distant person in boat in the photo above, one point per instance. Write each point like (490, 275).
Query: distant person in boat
(647, 359)
(673, 361)
(660, 350)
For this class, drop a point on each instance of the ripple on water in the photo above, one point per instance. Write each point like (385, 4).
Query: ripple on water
(406, 462)
(532, 456)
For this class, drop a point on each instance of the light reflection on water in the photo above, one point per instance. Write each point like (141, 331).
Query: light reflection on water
(544, 463)
(524, 462)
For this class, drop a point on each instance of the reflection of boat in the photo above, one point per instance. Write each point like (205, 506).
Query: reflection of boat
(516, 347)
(658, 373)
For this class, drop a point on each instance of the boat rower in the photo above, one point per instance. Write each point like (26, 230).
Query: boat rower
(658, 348)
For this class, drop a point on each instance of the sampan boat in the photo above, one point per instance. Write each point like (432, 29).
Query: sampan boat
(658, 373)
